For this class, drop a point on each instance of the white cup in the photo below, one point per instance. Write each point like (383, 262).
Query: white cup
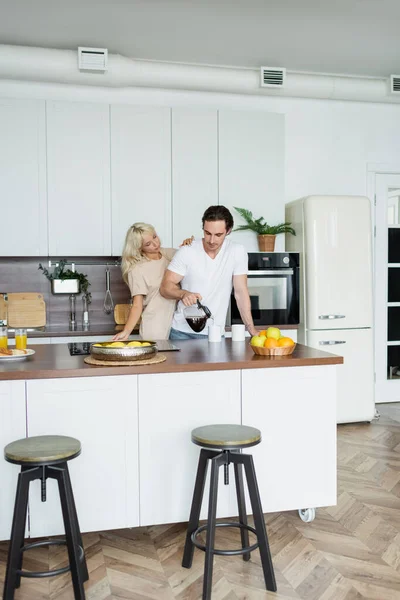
(238, 333)
(214, 333)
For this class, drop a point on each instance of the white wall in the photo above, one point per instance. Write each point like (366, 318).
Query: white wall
(328, 143)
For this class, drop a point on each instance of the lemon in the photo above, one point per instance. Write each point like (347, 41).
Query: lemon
(134, 344)
(146, 344)
(97, 345)
(116, 345)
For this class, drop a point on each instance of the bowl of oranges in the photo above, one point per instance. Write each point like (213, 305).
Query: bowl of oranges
(271, 342)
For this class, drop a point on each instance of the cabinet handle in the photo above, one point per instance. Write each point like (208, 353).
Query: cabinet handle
(331, 342)
(271, 272)
(324, 317)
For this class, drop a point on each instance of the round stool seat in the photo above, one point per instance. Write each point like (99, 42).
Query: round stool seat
(227, 437)
(42, 449)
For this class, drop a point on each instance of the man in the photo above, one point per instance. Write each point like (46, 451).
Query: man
(206, 270)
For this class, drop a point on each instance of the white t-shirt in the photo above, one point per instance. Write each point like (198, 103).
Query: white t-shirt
(212, 278)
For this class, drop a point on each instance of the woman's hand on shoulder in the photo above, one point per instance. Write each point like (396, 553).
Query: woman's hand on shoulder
(121, 336)
(187, 241)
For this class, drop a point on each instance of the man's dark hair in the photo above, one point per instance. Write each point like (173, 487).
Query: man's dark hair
(218, 213)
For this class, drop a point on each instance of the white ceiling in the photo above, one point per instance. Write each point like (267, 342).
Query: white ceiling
(331, 36)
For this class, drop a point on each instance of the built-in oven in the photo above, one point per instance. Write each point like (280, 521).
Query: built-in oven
(273, 283)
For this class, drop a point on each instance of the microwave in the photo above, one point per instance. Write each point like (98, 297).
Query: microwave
(273, 282)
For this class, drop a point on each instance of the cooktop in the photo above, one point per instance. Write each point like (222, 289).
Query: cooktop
(83, 348)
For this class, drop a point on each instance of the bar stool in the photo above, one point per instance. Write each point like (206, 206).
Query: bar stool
(44, 457)
(224, 444)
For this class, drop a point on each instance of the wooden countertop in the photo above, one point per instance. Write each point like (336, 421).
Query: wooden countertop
(52, 361)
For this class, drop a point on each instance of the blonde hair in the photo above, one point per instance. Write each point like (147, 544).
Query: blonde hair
(132, 252)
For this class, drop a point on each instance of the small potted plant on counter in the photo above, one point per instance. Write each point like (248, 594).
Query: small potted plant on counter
(266, 234)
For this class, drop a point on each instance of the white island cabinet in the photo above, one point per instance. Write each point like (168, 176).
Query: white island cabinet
(102, 413)
(170, 406)
(12, 427)
(295, 409)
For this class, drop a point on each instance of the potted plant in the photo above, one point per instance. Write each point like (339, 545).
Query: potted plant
(65, 281)
(266, 234)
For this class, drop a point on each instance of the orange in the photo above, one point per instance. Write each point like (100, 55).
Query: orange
(271, 343)
(284, 342)
(263, 332)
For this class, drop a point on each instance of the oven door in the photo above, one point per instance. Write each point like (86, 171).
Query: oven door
(274, 298)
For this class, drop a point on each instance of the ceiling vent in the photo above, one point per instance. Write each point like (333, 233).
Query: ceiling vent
(395, 84)
(272, 77)
(92, 59)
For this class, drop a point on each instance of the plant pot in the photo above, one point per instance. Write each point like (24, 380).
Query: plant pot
(65, 286)
(266, 243)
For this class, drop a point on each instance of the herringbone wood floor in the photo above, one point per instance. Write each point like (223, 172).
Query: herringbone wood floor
(351, 551)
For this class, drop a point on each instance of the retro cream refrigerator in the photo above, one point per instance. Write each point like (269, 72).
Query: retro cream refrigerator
(334, 238)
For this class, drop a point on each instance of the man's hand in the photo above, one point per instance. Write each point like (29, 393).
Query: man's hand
(190, 298)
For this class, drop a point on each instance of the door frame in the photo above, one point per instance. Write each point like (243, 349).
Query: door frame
(386, 390)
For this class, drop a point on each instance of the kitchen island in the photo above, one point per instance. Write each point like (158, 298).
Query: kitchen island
(138, 464)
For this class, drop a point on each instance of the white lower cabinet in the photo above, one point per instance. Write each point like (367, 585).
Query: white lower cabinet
(102, 413)
(12, 427)
(295, 409)
(170, 406)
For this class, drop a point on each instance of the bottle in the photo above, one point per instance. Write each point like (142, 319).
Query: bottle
(85, 314)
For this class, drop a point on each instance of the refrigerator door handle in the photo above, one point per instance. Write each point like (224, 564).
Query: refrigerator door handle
(324, 317)
(331, 342)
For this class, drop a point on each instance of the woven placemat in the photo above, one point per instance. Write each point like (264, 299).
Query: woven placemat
(158, 358)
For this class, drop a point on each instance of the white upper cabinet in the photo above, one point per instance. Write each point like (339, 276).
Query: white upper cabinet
(78, 163)
(23, 177)
(194, 169)
(251, 168)
(140, 171)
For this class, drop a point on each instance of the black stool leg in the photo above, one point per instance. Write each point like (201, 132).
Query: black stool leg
(85, 573)
(196, 505)
(259, 523)
(71, 535)
(14, 561)
(216, 462)
(244, 534)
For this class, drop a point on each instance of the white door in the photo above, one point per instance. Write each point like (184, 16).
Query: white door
(355, 378)
(387, 283)
(78, 163)
(12, 428)
(194, 169)
(102, 413)
(170, 406)
(23, 177)
(338, 251)
(140, 171)
(252, 168)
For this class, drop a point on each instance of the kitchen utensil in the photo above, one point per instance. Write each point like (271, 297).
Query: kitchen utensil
(284, 351)
(26, 309)
(238, 333)
(214, 333)
(103, 351)
(195, 317)
(121, 313)
(205, 308)
(108, 305)
(3, 309)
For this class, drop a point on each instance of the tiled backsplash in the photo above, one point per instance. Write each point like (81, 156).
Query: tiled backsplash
(23, 275)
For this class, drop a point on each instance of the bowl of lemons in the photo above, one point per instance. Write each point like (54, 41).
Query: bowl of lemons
(135, 350)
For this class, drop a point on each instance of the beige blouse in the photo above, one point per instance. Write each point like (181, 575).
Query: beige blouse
(145, 279)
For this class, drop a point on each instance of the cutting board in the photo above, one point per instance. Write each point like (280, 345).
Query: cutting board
(26, 309)
(121, 313)
(3, 308)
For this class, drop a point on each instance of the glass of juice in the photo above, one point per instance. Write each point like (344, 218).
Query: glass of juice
(3, 337)
(20, 339)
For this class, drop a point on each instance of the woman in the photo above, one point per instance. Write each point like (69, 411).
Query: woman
(143, 265)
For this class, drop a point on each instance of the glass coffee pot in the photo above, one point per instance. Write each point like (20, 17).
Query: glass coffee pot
(195, 317)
